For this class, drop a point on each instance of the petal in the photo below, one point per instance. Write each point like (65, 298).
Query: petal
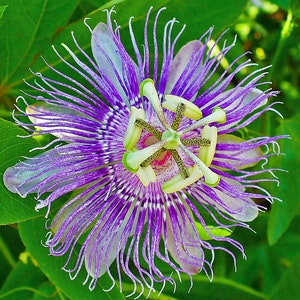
(183, 241)
(103, 244)
(241, 209)
(60, 167)
(180, 62)
(112, 60)
(238, 102)
(48, 115)
(24, 177)
(240, 159)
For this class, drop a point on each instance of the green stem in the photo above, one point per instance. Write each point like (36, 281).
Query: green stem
(4, 249)
(286, 31)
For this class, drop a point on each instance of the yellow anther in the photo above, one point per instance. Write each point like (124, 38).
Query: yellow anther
(206, 153)
(146, 175)
(191, 110)
(133, 132)
(177, 183)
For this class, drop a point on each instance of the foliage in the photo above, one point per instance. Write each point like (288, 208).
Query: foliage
(268, 29)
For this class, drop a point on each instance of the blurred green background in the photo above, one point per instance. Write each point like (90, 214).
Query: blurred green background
(269, 29)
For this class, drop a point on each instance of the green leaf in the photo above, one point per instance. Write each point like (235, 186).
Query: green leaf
(219, 289)
(13, 208)
(282, 3)
(23, 282)
(288, 287)
(215, 231)
(32, 233)
(295, 7)
(2, 9)
(26, 29)
(282, 213)
(201, 15)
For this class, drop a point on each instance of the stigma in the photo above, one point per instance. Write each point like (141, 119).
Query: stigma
(166, 141)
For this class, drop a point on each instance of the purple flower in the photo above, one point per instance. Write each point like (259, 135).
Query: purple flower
(149, 148)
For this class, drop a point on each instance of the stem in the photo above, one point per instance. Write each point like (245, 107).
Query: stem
(286, 31)
(4, 249)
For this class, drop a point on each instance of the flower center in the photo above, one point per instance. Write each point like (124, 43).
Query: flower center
(158, 146)
(149, 140)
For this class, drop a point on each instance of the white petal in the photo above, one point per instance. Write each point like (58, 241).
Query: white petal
(111, 242)
(244, 210)
(23, 179)
(42, 113)
(179, 63)
(179, 244)
(242, 155)
(238, 102)
(107, 56)
(37, 174)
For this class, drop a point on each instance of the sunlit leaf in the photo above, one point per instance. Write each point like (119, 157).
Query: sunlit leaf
(2, 9)
(26, 29)
(215, 231)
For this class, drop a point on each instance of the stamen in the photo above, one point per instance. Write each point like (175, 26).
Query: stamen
(146, 175)
(152, 158)
(133, 132)
(206, 154)
(211, 178)
(196, 142)
(148, 90)
(181, 166)
(176, 183)
(191, 111)
(143, 124)
(133, 159)
(178, 116)
(218, 115)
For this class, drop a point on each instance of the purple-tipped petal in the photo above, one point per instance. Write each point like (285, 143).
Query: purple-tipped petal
(114, 62)
(180, 62)
(48, 117)
(183, 242)
(242, 157)
(241, 209)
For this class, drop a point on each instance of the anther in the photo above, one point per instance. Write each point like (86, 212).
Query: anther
(211, 178)
(177, 183)
(146, 175)
(143, 124)
(152, 158)
(178, 116)
(206, 154)
(196, 142)
(181, 166)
